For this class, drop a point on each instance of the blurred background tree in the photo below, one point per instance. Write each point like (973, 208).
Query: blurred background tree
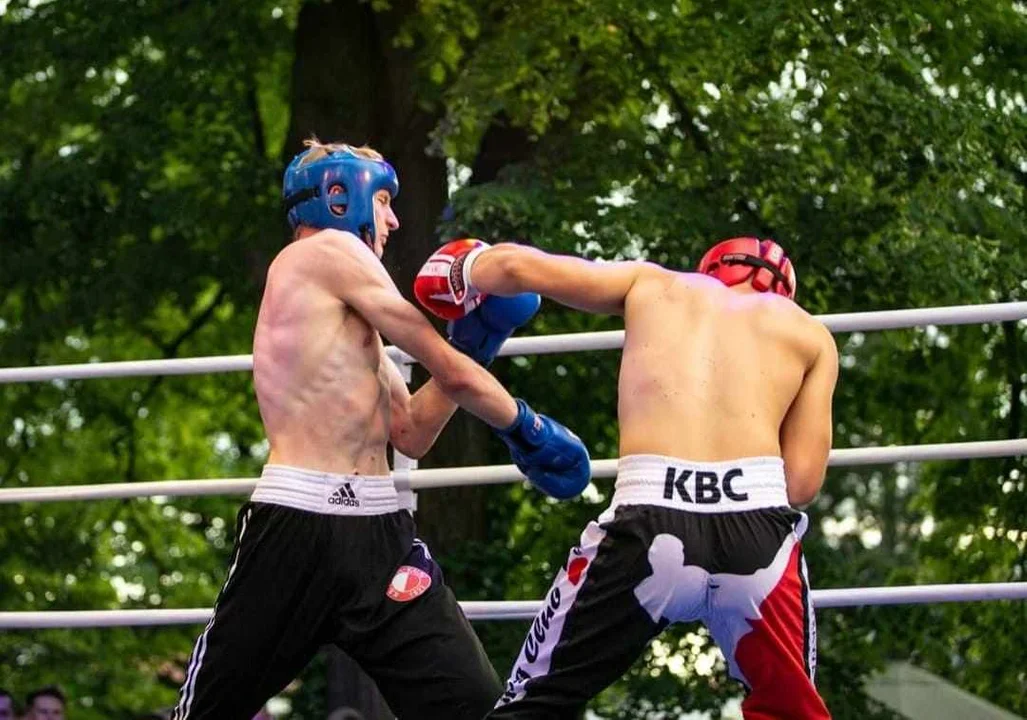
(882, 143)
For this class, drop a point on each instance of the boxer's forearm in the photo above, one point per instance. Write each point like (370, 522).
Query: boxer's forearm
(596, 287)
(416, 425)
(505, 269)
(480, 394)
(430, 410)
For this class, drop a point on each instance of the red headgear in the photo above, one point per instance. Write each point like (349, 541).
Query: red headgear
(761, 263)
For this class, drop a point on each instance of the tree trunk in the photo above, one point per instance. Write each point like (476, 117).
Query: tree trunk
(456, 515)
(351, 85)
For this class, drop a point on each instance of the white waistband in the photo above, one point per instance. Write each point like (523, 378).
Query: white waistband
(703, 487)
(329, 493)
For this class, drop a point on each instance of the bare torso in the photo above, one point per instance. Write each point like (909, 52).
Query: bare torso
(708, 373)
(320, 377)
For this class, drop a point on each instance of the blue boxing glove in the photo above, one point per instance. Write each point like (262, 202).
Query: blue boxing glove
(481, 332)
(552, 457)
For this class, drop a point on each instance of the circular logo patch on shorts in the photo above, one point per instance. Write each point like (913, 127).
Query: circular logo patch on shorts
(408, 582)
(575, 569)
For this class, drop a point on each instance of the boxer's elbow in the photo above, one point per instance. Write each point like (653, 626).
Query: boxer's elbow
(804, 484)
(805, 460)
(403, 433)
(800, 497)
(454, 375)
(408, 443)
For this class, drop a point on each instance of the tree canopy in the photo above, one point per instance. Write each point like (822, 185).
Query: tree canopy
(884, 144)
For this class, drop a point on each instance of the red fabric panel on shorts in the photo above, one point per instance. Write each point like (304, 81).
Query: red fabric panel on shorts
(773, 656)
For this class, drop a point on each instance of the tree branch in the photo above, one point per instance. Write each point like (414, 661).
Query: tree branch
(170, 351)
(699, 140)
(256, 121)
(197, 323)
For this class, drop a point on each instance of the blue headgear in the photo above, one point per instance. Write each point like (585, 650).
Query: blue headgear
(337, 191)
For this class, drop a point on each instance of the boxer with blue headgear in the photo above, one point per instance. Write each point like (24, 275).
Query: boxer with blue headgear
(326, 550)
(334, 186)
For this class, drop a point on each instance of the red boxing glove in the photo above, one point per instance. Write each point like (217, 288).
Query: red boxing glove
(443, 285)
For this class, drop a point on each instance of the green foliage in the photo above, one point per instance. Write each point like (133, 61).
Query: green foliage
(884, 144)
(137, 180)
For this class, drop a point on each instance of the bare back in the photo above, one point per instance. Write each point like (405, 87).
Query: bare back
(709, 373)
(319, 373)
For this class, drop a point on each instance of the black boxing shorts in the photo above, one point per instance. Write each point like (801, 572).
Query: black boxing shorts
(681, 542)
(322, 558)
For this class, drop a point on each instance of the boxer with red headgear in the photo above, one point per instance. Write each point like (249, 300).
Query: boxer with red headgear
(761, 263)
(724, 408)
(326, 550)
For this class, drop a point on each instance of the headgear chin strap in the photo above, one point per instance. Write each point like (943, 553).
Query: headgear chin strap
(761, 263)
(337, 191)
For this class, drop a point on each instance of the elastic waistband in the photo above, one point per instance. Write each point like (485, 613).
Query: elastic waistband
(329, 493)
(737, 485)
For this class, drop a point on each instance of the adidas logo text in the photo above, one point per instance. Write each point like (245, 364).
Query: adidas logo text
(344, 495)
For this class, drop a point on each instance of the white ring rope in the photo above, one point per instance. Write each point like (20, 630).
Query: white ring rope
(570, 342)
(491, 474)
(523, 609)
(449, 477)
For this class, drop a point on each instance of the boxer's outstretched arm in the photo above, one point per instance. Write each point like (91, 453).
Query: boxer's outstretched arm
(349, 270)
(596, 287)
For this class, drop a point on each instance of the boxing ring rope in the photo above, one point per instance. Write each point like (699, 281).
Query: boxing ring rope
(522, 609)
(542, 344)
(491, 474)
(494, 474)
